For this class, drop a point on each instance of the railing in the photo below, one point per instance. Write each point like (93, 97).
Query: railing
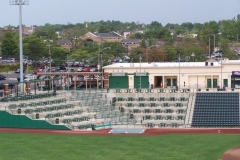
(190, 109)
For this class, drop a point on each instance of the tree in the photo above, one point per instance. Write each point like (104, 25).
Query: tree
(170, 53)
(9, 44)
(188, 26)
(156, 55)
(229, 30)
(224, 46)
(46, 32)
(34, 47)
(74, 34)
(155, 24)
(198, 51)
(58, 54)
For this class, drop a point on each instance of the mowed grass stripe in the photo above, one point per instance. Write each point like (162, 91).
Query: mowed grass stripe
(23, 146)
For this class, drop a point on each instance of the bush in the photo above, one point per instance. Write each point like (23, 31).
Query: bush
(8, 67)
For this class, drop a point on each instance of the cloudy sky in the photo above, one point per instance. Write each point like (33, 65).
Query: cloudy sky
(40, 12)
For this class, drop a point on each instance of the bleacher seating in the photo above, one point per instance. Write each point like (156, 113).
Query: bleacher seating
(220, 109)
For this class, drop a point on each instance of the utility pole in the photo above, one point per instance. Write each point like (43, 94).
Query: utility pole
(209, 50)
(179, 59)
(49, 52)
(101, 53)
(20, 3)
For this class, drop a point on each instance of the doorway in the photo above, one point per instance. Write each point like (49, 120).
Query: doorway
(158, 82)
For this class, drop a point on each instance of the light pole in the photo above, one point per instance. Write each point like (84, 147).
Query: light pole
(0, 49)
(193, 55)
(209, 50)
(179, 59)
(101, 53)
(49, 52)
(140, 60)
(214, 42)
(27, 61)
(68, 68)
(20, 3)
(109, 61)
(221, 69)
(67, 71)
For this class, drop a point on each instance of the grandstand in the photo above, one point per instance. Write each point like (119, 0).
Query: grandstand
(121, 108)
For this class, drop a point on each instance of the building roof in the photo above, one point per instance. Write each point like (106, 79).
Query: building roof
(168, 64)
(105, 35)
(65, 41)
(130, 41)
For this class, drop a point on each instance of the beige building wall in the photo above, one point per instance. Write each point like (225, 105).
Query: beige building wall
(192, 74)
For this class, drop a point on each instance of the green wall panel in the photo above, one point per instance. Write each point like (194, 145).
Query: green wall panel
(144, 81)
(122, 81)
(21, 121)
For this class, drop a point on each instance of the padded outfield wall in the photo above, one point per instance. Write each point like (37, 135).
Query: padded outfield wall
(21, 121)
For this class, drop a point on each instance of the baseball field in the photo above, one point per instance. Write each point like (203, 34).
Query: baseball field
(42, 146)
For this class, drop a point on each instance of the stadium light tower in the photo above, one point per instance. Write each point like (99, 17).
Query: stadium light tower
(101, 53)
(20, 3)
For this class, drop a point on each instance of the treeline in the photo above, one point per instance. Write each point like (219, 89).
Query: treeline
(169, 39)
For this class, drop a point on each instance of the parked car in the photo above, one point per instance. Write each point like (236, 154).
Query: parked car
(43, 77)
(70, 70)
(18, 78)
(93, 70)
(2, 77)
(80, 69)
(29, 77)
(11, 60)
(86, 69)
(76, 64)
(18, 71)
(62, 69)
(86, 65)
(37, 71)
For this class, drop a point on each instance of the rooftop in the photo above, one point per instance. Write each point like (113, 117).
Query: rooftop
(169, 64)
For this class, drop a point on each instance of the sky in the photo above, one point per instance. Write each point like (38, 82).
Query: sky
(40, 12)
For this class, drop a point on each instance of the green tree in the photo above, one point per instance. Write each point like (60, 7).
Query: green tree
(227, 53)
(58, 55)
(170, 53)
(74, 34)
(229, 30)
(46, 32)
(34, 47)
(9, 44)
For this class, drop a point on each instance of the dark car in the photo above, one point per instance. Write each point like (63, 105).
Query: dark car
(18, 78)
(62, 69)
(2, 77)
(18, 71)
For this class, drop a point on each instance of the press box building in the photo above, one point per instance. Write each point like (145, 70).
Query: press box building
(204, 75)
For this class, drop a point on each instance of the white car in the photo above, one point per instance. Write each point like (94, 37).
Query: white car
(29, 77)
(11, 60)
(93, 70)
(80, 69)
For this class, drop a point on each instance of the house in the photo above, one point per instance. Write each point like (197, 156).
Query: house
(67, 44)
(26, 31)
(102, 37)
(130, 43)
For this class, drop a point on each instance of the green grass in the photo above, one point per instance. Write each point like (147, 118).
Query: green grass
(20, 146)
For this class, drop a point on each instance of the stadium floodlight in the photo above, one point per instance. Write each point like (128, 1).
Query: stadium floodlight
(20, 3)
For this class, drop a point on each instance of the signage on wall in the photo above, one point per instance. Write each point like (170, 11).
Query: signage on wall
(118, 74)
(141, 73)
(235, 72)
